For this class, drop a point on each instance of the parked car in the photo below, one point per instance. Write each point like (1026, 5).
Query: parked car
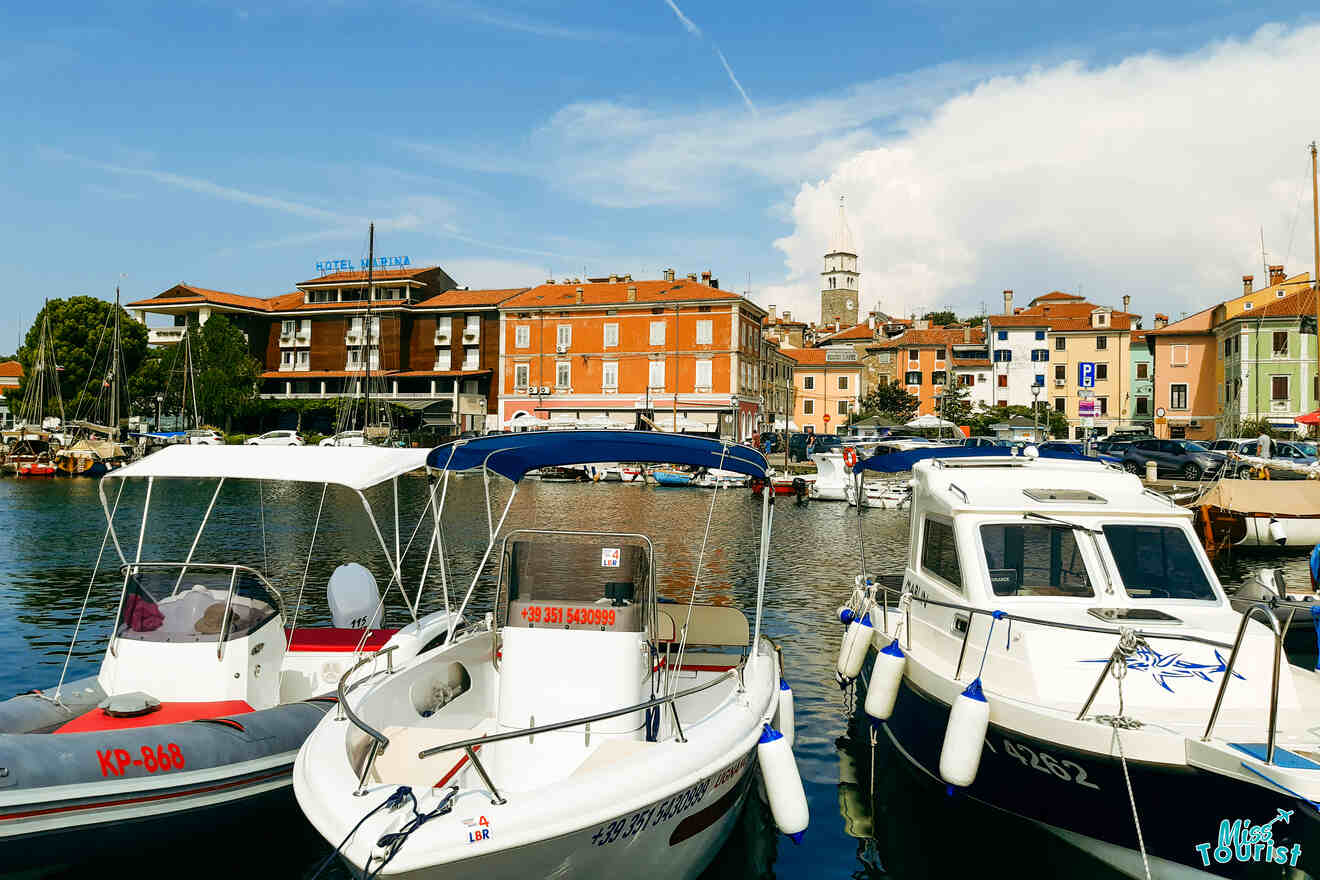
(825, 442)
(1076, 447)
(344, 438)
(988, 441)
(775, 442)
(1175, 458)
(276, 438)
(1111, 447)
(205, 437)
(1283, 450)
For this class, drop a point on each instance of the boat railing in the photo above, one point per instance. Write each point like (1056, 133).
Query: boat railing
(1262, 609)
(379, 741)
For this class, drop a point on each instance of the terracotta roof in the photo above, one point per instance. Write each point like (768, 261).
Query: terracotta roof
(861, 332)
(376, 275)
(938, 336)
(181, 294)
(1058, 296)
(292, 302)
(321, 374)
(458, 298)
(11, 370)
(1201, 322)
(554, 296)
(1018, 321)
(815, 357)
(419, 374)
(1292, 306)
(1117, 321)
(970, 362)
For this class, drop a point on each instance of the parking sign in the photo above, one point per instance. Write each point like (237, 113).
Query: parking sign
(1086, 374)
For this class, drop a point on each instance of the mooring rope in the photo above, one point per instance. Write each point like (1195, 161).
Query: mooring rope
(1126, 647)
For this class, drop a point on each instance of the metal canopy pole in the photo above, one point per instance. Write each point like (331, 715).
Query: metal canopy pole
(486, 556)
(765, 556)
(394, 563)
(197, 537)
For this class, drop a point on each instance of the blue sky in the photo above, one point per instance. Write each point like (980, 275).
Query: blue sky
(235, 146)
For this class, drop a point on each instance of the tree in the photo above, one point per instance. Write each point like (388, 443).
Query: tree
(954, 404)
(939, 319)
(150, 379)
(226, 372)
(80, 335)
(892, 401)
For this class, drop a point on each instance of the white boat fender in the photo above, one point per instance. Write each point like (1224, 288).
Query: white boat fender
(964, 737)
(1277, 533)
(886, 677)
(853, 648)
(783, 785)
(784, 714)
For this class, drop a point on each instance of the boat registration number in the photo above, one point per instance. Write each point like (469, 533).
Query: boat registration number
(560, 614)
(115, 762)
(1068, 771)
(657, 814)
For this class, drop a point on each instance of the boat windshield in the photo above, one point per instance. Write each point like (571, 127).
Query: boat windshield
(1034, 560)
(577, 581)
(1157, 562)
(159, 606)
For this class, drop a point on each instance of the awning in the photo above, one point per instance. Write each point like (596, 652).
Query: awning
(1282, 422)
(1288, 498)
(513, 455)
(1311, 418)
(356, 467)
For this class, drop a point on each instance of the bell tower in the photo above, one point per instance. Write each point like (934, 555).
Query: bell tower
(839, 301)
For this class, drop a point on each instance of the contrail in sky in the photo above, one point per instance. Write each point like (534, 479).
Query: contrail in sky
(687, 22)
(696, 32)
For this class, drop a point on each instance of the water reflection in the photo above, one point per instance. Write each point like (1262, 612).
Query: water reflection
(870, 815)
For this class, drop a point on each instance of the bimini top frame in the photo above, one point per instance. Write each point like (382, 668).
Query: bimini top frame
(896, 462)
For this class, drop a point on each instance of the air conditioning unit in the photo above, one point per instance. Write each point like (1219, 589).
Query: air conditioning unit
(1196, 423)
(561, 349)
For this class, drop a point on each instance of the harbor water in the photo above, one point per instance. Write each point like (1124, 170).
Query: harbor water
(870, 815)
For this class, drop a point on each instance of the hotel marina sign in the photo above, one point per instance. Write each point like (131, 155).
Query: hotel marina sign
(325, 266)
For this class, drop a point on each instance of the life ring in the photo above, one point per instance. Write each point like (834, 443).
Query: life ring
(849, 457)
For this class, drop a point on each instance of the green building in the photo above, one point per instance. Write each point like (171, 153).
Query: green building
(1269, 364)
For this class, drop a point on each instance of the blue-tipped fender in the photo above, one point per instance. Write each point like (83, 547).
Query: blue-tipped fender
(783, 785)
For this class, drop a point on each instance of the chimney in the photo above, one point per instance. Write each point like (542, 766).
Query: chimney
(669, 274)
(614, 279)
(1008, 302)
(1247, 281)
(549, 281)
(788, 316)
(705, 278)
(1127, 301)
(967, 335)
(1161, 320)
(578, 297)
(773, 317)
(692, 276)
(632, 293)
(1276, 274)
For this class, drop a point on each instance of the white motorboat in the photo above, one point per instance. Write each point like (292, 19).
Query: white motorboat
(836, 479)
(1260, 513)
(887, 495)
(209, 684)
(586, 730)
(1061, 649)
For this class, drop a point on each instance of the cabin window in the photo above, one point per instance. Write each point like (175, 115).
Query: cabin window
(939, 552)
(1034, 560)
(1157, 562)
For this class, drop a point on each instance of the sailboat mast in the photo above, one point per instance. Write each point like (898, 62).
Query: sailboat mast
(114, 373)
(1315, 278)
(366, 354)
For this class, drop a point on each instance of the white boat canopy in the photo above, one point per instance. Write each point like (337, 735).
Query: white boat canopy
(356, 467)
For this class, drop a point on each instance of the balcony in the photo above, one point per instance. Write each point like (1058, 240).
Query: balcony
(1280, 406)
(165, 335)
(355, 337)
(442, 336)
(471, 335)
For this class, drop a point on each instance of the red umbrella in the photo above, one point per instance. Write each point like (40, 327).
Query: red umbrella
(1311, 418)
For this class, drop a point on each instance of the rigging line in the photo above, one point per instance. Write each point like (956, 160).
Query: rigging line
(696, 575)
(86, 598)
(88, 384)
(261, 505)
(293, 628)
(397, 576)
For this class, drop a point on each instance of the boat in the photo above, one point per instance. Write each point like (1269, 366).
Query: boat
(888, 495)
(1268, 586)
(90, 457)
(564, 475)
(1258, 513)
(585, 730)
(39, 468)
(95, 429)
(34, 437)
(1058, 647)
(209, 683)
(673, 477)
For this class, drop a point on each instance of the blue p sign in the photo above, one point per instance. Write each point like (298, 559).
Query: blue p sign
(1086, 374)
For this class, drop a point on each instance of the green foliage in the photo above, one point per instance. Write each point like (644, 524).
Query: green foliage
(955, 404)
(77, 325)
(892, 401)
(1256, 427)
(939, 319)
(226, 372)
(1054, 423)
(149, 380)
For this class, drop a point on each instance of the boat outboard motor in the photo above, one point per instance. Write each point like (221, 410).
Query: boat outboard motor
(800, 490)
(353, 597)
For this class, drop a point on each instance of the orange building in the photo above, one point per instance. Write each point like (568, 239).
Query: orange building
(682, 353)
(924, 362)
(827, 387)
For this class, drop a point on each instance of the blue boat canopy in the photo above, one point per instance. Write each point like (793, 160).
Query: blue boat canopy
(513, 455)
(896, 462)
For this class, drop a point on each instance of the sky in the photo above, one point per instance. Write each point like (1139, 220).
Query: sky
(1123, 148)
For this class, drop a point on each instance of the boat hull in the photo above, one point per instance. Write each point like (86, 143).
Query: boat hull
(1181, 807)
(1299, 532)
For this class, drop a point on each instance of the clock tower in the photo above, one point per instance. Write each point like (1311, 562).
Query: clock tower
(838, 294)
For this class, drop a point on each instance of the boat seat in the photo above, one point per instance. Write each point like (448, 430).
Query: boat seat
(399, 764)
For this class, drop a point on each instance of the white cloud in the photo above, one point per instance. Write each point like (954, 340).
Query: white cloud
(1151, 176)
(479, 274)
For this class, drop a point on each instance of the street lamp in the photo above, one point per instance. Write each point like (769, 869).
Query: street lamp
(160, 400)
(1035, 412)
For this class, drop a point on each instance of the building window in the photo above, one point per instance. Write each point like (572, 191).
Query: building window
(1143, 370)
(939, 552)
(304, 359)
(843, 383)
(703, 380)
(1102, 404)
(1003, 355)
(1278, 388)
(939, 354)
(1101, 343)
(611, 336)
(1002, 403)
(1040, 335)
(913, 377)
(1143, 406)
(965, 379)
(1060, 404)
(1040, 354)
(1280, 348)
(564, 336)
(913, 354)
(1102, 372)
(286, 327)
(1001, 381)
(1228, 346)
(980, 378)
(1178, 355)
(808, 407)
(472, 358)
(520, 376)
(444, 358)
(1060, 344)
(1002, 335)
(1061, 372)
(656, 375)
(563, 374)
(940, 377)
(809, 383)
(1178, 396)
(1040, 379)
(658, 333)
(609, 374)
(522, 336)
(843, 407)
(286, 358)
(471, 328)
(705, 332)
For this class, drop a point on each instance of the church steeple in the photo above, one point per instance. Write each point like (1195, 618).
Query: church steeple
(838, 295)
